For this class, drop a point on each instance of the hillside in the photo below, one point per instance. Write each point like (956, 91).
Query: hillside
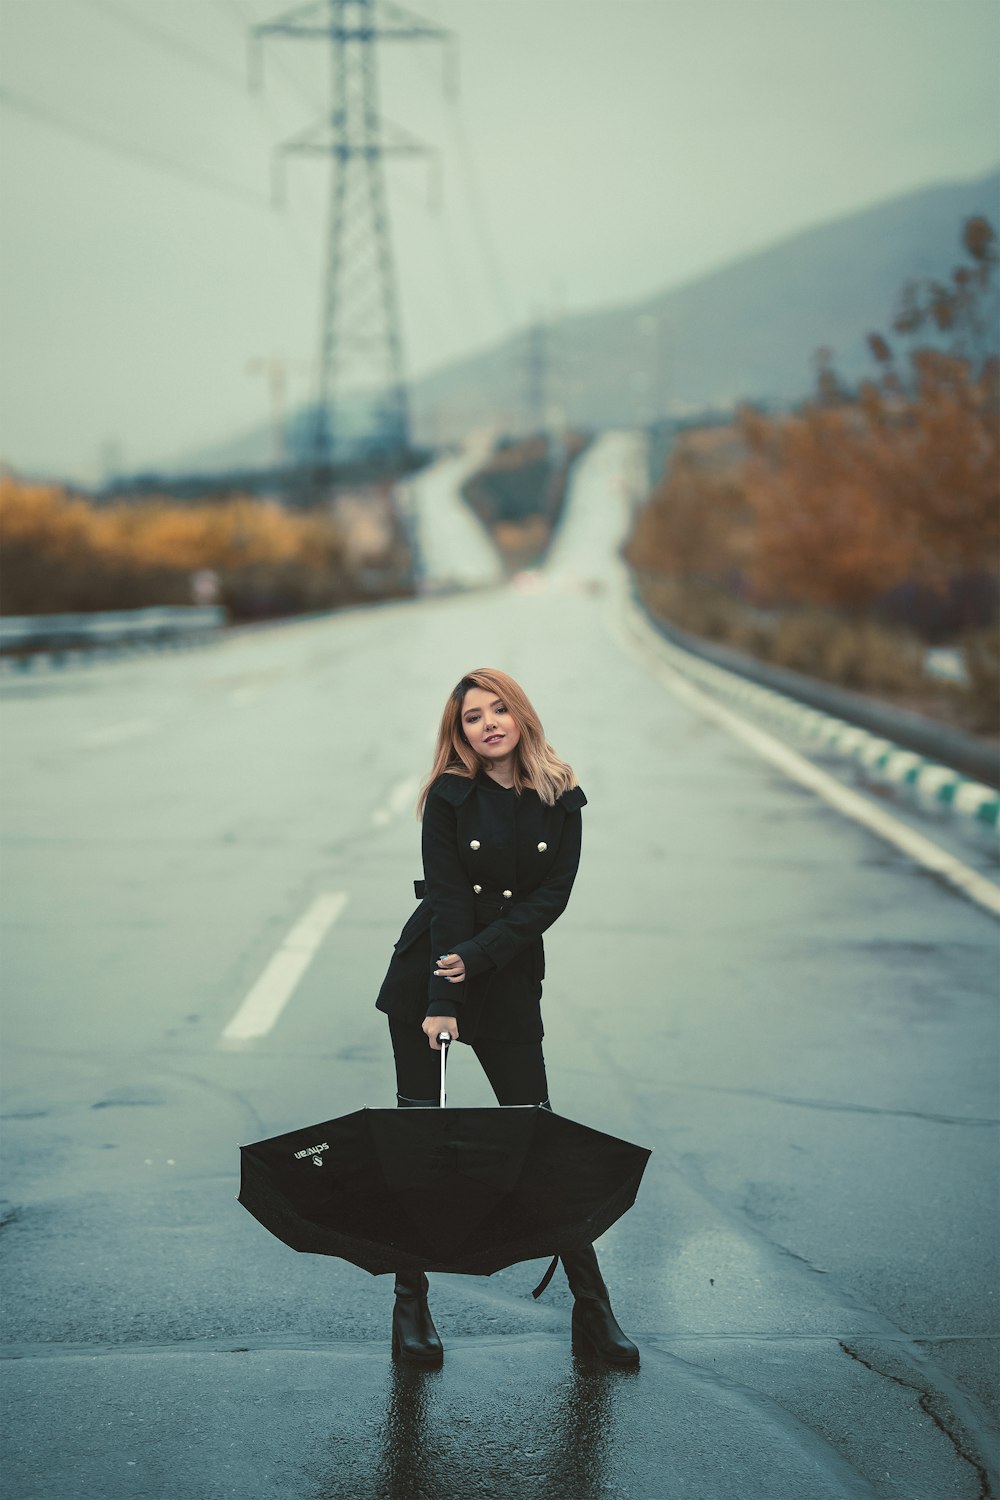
(745, 331)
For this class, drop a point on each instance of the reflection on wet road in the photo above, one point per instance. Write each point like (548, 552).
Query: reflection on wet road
(562, 1440)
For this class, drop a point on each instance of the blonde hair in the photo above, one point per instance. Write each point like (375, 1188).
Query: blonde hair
(536, 764)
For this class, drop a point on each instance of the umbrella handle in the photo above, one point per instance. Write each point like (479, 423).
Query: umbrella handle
(444, 1041)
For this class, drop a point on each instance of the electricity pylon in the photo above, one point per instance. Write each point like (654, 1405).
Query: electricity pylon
(536, 376)
(361, 400)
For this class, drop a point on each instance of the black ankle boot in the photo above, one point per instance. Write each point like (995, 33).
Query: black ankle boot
(414, 1336)
(595, 1328)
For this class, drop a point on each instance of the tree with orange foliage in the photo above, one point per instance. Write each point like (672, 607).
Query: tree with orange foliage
(822, 535)
(697, 525)
(854, 498)
(60, 553)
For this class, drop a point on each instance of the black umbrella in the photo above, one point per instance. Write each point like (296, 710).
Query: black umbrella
(461, 1190)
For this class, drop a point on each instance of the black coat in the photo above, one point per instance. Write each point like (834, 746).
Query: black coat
(498, 870)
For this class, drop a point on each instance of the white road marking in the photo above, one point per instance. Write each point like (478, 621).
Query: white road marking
(273, 990)
(112, 733)
(852, 804)
(402, 796)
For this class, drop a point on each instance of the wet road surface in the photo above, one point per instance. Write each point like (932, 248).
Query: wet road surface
(799, 1021)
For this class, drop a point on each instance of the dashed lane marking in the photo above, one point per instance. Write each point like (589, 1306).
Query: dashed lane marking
(273, 990)
(403, 795)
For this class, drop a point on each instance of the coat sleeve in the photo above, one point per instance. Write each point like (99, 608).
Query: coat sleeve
(450, 897)
(526, 920)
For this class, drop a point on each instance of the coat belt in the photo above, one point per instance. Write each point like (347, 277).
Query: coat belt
(498, 898)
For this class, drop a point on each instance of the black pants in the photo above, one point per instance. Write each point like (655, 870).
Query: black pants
(516, 1070)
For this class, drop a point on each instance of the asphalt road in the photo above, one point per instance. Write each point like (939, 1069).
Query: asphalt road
(798, 1020)
(453, 549)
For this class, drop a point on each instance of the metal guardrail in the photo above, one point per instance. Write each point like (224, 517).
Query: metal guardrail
(21, 635)
(927, 782)
(930, 784)
(965, 753)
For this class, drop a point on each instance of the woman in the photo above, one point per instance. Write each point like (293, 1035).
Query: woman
(501, 846)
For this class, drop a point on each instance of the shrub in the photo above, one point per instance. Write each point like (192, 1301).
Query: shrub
(59, 553)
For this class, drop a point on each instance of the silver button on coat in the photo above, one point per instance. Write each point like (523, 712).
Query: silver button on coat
(478, 889)
(474, 844)
(508, 894)
(542, 848)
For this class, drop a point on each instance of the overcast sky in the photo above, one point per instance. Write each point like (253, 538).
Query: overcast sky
(599, 150)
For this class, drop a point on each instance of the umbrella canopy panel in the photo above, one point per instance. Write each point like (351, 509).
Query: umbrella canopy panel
(461, 1190)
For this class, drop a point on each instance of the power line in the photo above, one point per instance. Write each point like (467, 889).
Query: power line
(456, 283)
(245, 19)
(478, 217)
(480, 221)
(237, 13)
(165, 41)
(58, 121)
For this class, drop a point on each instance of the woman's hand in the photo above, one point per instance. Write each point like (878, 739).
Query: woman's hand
(450, 967)
(433, 1027)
